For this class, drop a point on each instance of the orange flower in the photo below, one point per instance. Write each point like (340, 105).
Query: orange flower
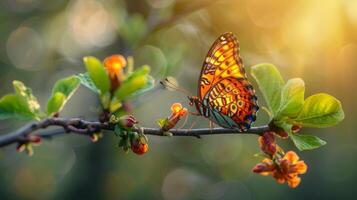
(267, 143)
(114, 65)
(283, 169)
(177, 113)
(177, 109)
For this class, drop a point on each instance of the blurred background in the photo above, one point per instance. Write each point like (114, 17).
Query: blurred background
(42, 41)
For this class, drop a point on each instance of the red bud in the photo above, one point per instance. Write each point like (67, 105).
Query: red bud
(267, 143)
(296, 128)
(127, 121)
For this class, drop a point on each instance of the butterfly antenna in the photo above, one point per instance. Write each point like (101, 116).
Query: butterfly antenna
(168, 84)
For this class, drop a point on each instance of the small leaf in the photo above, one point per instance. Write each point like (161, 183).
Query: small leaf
(21, 105)
(87, 82)
(270, 84)
(67, 86)
(150, 83)
(115, 105)
(105, 99)
(320, 110)
(97, 73)
(55, 103)
(130, 65)
(11, 106)
(122, 142)
(118, 130)
(135, 81)
(61, 93)
(144, 70)
(292, 98)
(26, 94)
(306, 142)
(161, 122)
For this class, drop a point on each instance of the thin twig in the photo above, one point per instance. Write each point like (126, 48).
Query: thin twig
(83, 127)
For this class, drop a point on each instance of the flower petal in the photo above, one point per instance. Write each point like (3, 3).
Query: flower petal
(300, 167)
(114, 65)
(176, 107)
(294, 182)
(291, 156)
(279, 177)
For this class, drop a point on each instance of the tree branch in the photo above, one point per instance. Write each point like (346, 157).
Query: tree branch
(83, 127)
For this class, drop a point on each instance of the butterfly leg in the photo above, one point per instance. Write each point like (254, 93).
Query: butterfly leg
(211, 126)
(192, 125)
(184, 123)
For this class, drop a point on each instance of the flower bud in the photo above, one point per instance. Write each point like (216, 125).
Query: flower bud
(140, 149)
(35, 139)
(96, 136)
(296, 128)
(21, 147)
(127, 121)
(264, 167)
(177, 113)
(278, 131)
(267, 143)
(282, 133)
(259, 168)
(139, 145)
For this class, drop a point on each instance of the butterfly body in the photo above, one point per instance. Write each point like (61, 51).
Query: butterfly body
(225, 95)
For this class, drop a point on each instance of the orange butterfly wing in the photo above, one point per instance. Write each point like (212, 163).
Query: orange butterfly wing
(222, 61)
(224, 87)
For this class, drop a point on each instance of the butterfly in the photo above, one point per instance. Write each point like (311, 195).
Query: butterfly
(225, 96)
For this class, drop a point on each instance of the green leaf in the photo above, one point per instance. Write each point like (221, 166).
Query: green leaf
(11, 106)
(67, 86)
(162, 122)
(306, 142)
(26, 94)
(21, 105)
(87, 82)
(55, 103)
(61, 93)
(135, 81)
(97, 73)
(320, 110)
(123, 142)
(270, 84)
(118, 130)
(292, 98)
(115, 105)
(150, 83)
(144, 70)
